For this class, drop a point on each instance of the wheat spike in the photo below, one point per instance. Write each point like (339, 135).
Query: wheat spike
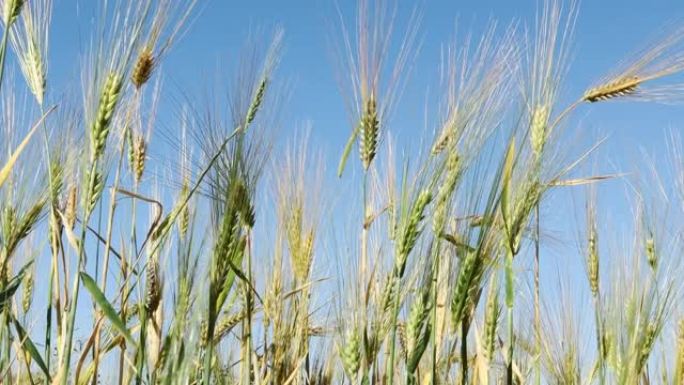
(351, 355)
(445, 192)
(153, 290)
(256, 101)
(650, 335)
(11, 10)
(540, 117)
(443, 140)
(94, 191)
(139, 148)
(621, 87)
(109, 98)
(370, 128)
(184, 222)
(412, 227)
(651, 255)
(70, 207)
(492, 313)
(593, 261)
(144, 66)
(27, 297)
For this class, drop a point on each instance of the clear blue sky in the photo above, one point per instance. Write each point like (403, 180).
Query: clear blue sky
(606, 31)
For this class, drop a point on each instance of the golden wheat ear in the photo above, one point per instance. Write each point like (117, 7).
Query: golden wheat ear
(621, 87)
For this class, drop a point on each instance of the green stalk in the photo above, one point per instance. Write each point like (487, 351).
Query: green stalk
(365, 365)
(140, 362)
(124, 269)
(509, 315)
(4, 333)
(3, 52)
(71, 316)
(4, 320)
(433, 311)
(393, 341)
(54, 251)
(206, 377)
(105, 267)
(599, 340)
(537, 304)
(248, 318)
(464, 351)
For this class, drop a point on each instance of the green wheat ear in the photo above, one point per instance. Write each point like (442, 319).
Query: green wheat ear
(109, 98)
(369, 132)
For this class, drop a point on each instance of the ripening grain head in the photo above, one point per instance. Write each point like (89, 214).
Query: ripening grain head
(30, 37)
(168, 23)
(547, 62)
(298, 188)
(476, 76)
(375, 72)
(661, 59)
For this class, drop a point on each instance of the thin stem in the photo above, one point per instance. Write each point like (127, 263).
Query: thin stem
(71, 316)
(537, 310)
(433, 311)
(248, 318)
(3, 52)
(509, 315)
(599, 340)
(464, 352)
(105, 267)
(393, 341)
(364, 258)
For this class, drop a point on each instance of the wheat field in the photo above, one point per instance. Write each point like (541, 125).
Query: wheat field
(228, 257)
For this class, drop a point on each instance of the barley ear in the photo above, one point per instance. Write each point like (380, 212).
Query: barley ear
(10, 12)
(369, 131)
(350, 354)
(256, 102)
(109, 97)
(593, 259)
(144, 66)
(417, 333)
(614, 89)
(538, 129)
(445, 191)
(492, 314)
(139, 149)
(71, 207)
(651, 253)
(153, 289)
(95, 187)
(27, 295)
(412, 228)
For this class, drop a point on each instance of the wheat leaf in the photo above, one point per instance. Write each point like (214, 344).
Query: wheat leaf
(506, 181)
(7, 168)
(347, 150)
(30, 348)
(105, 306)
(11, 287)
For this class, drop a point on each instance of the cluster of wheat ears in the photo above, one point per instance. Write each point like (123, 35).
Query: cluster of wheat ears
(176, 277)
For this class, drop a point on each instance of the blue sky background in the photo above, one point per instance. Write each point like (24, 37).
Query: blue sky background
(606, 32)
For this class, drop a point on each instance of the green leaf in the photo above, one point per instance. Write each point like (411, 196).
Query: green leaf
(106, 307)
(30, 348)
(234, 272)
(417, 353)
(8, 291)
(7, 168)
(347, 150)
(506, 181)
